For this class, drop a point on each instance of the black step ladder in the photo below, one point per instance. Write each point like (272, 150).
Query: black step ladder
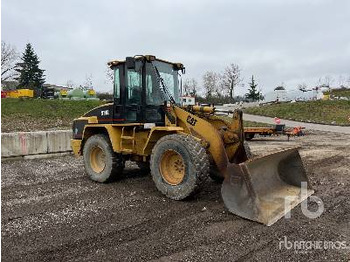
(132, 138)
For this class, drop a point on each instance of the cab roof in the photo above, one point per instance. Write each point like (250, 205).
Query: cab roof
(149, 58)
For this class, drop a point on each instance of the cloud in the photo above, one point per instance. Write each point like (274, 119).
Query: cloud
(277, 41)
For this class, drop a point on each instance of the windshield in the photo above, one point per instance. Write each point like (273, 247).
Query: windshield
(170, 78)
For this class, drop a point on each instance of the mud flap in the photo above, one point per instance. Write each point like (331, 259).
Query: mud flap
(265, 189)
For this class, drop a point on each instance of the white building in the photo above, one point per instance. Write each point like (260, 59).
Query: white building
(187, 100)
(279, 94)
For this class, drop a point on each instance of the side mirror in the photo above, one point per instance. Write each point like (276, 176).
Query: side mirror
(130, 62)
(179, 66)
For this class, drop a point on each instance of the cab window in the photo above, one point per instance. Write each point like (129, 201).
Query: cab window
(133, 87)
(153, 92)
(117, 85)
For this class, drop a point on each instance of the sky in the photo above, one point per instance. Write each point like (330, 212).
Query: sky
(277, 41)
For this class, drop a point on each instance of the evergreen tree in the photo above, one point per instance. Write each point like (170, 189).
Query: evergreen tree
(30, 75)
(253, 92)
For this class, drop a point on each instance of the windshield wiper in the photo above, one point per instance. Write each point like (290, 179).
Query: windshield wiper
(165, 91)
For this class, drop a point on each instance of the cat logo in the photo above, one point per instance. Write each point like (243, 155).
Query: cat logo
(192, 121)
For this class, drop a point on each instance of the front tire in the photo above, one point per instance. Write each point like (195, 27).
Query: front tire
(101, 163)
(179, 166)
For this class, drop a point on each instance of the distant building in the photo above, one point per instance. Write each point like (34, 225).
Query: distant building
(57, 87)
(279, 88)
(187, 100)
(279, 94)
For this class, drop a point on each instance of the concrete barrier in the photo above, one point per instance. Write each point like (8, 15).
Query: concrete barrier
(58, 141)
(35, 143)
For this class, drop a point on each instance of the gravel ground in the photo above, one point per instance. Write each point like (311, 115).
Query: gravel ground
(52, 212)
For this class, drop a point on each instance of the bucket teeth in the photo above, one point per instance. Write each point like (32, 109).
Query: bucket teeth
(264, 189)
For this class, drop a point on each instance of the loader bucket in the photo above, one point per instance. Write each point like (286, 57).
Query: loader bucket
(264, 189)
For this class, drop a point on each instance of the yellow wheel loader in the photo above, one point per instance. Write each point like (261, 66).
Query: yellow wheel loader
(182, 145)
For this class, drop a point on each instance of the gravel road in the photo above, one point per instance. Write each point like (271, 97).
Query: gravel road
(52, 212)
(310, 126)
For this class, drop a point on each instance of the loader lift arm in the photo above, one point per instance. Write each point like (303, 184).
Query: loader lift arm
(205, 131)
(254, 189)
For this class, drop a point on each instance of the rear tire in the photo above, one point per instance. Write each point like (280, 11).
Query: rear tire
(179, 166)
(101, 163)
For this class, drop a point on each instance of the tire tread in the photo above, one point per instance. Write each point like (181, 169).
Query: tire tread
(197, 153)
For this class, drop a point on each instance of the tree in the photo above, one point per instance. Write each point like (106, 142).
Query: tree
(219, 88)
(210, 83)
(325, 81)
(30, 75)
(253, 92)
(190, 87)
(186, 87)
(9, 57)
(70, 84)
(230, 79)
(88, 82)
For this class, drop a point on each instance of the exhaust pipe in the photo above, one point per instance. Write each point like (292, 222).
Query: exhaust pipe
(265, 189)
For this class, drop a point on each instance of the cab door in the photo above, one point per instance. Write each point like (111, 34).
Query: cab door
(118, 112)
(153, 106)
(133, 94)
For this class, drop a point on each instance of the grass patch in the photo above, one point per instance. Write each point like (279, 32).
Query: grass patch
(336, 112)
(255, 124)
(38, 114)
(24, 115)
(41, 114)
(340, 92)
(248, 123)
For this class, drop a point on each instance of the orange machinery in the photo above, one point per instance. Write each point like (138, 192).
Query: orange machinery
(250, 132)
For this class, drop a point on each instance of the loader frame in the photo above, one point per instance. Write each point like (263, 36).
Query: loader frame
(222, 139)
(182, 144)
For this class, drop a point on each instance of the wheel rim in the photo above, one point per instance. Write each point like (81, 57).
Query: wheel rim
(172, 167)
(97, 159)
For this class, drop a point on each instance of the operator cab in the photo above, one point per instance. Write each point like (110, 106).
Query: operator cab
(142, 86)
